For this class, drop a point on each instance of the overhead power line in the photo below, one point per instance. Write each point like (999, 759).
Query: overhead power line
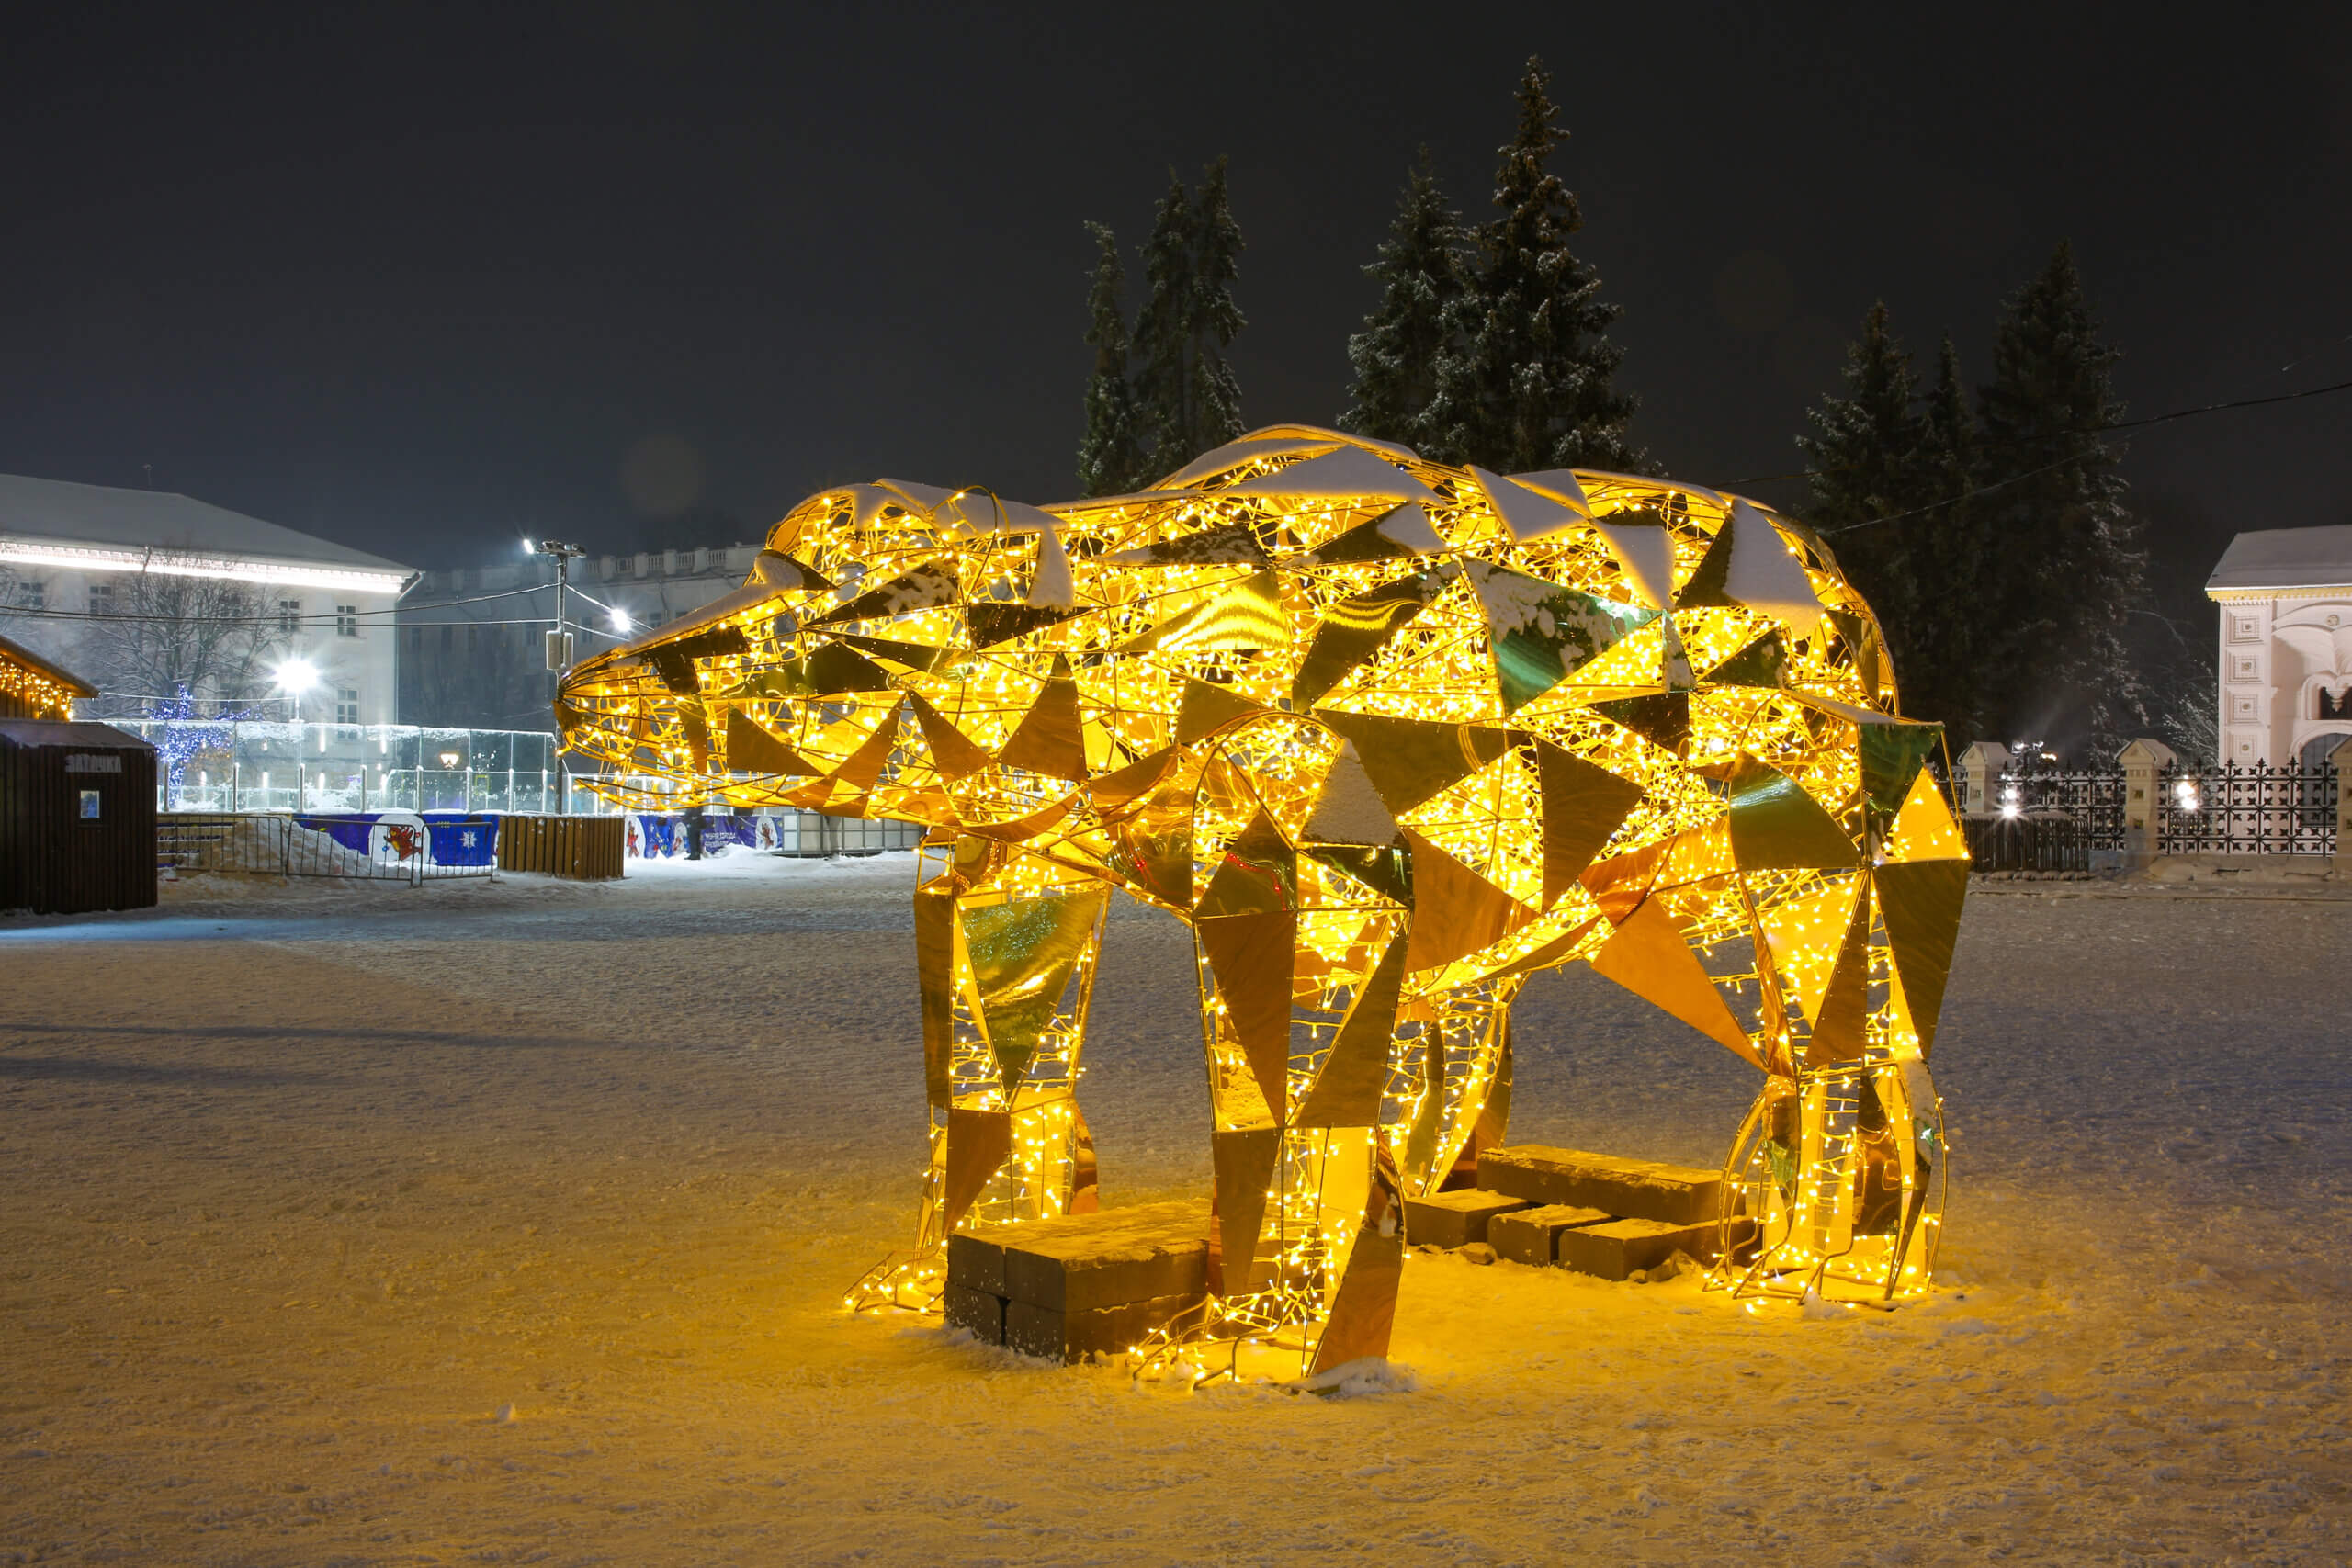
(2090, 434)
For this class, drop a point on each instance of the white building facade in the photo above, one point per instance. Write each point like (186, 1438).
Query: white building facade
(2285, 596)
(136, 589)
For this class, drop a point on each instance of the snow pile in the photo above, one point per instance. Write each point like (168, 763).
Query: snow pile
(268, 846)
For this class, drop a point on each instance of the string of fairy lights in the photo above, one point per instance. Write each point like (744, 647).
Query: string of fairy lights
(1391, 736)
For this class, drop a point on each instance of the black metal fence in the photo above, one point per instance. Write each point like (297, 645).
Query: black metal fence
(258, 843)
(2044, 840)
(2230, 811)
(2242, 811)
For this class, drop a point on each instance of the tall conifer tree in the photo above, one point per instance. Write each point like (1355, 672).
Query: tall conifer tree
(1163, 385)
(1396, 356)
(2064, 552)
(1939, 651)
(1187, 399)
(1212, 318)
(1110, 461)
(1530, 384)
(1863, 461)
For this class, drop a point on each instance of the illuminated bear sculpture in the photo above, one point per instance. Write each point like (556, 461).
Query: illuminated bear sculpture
(1390, 736)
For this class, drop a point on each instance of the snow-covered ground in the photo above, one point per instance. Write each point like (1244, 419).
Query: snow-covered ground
(507, 1221)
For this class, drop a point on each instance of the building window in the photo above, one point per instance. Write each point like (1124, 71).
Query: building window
(449, 637)
(416, 642)
(346, 705)
(473, 641)
(347, 620)
(102, 598)
(290, 616)
(33, 595)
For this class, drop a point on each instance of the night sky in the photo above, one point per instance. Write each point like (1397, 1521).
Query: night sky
(420, 281)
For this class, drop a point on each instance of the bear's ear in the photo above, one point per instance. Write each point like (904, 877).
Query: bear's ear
(1052, 586)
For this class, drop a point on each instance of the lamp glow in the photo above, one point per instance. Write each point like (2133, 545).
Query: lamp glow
(296, 675)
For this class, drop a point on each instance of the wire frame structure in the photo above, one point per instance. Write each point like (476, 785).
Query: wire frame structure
(1390, 736)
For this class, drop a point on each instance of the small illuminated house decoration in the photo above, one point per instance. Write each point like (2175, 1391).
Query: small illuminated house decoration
(34, 687)
(1391, 736)
(2286, 645)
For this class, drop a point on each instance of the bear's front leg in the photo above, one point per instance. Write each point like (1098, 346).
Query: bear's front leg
(1005, 947)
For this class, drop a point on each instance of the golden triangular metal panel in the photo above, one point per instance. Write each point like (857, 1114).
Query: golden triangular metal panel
(1922, 901)
(1803, 936)
(1258, 875)
(1455, 911)
(1208, 708)
(1775, 824)
(1250, 957)
(1355, 1072)
(956, 754)
(1410, 761)
(1363, 1313)
(1649, 958)
(1356, 627)
(936, 978)
(1544, 632)
(1244, 1162)
(1924, 829)
(1247, 615)
(1842, 1020)
(1764, 662)
(862, 769)
(978, 1141)
(1583, 806)
(1022, 954)
(751, 748)
(1893, 754)
(1051, 739)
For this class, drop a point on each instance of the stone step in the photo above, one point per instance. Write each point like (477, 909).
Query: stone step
(1616, 1249)
(1094, 1282)
(1455, 1218)
(1531, 1235)
(1629, 1189)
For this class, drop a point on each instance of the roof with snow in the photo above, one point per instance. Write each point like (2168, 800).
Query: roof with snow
(2275, 559)
(17, 653)
(142, 519)
(67, 732)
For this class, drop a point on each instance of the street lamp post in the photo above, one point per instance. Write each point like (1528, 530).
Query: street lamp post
(559, 646)
(295, 677)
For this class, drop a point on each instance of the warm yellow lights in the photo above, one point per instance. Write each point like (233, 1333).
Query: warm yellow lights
(31, 688)
(1387, 753)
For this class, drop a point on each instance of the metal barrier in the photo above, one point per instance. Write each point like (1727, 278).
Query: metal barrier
(353, 848)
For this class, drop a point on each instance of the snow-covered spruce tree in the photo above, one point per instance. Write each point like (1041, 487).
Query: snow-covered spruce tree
(1530, 385)
(1187, 400)
(1939, 651)
(1862, 460)
(2063, 553)
(1163, 385)
(1396, 355)
(1212, 318)
(1110, 461)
